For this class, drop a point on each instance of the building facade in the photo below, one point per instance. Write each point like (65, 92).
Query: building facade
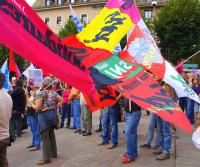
(55, 13)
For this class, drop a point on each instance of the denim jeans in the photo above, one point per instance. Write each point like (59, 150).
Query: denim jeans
(110, 117)
(76, 113)
(151, 130)
(183, 103)
(165, 135)
(33, 123)
(190, 110)
(65, 114)
(131, 122)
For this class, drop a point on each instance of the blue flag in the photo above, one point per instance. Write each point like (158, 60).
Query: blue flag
(5, 71)
(79, 26)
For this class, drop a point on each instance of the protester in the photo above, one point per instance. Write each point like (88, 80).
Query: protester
(150, 133)
(32, 119)
(190, 103)
(165, 133)
(45, 104)
(74, 98)
(196, 88)
(110, 119)
(132, 118)
(86, 117)
(66, 109)
(19, 103)
(5, 115)
(100, 122)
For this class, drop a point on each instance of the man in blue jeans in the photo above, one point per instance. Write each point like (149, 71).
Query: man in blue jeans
(74, 98)
(110, 118)
(150, 134)
(165, 140)
(132, 118)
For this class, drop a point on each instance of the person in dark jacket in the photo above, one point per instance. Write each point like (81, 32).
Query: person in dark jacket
(19, 103)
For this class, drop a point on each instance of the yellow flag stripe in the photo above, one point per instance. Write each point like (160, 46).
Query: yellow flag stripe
(106, 30)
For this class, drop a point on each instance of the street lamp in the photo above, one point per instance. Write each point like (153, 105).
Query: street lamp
(154, 4)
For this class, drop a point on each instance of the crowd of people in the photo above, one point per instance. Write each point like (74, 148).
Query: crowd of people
(52, 105)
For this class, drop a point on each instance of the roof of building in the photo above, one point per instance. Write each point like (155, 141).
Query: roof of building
(40, 4)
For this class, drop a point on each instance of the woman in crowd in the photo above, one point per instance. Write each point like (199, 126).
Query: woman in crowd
(32, 119)
(45, 104)
(196, 88)
(66, 109)
(86, 117)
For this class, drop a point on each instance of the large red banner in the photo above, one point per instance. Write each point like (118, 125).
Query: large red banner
(26, 34)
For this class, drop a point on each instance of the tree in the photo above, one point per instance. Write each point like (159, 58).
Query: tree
(68, 29)
(177, 27)
(4, 54)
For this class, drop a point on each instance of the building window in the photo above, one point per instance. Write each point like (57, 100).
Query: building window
(59, 2)
(84, 18)
(148, 14)
(71, 18)
(59, 20)
(47, 2)
(47, 20)
(72, 1)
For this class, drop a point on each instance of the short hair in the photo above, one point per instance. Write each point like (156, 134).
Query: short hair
(2, 79)
(19, 83)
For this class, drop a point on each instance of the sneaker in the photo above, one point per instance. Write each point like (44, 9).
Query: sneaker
(82, 132)
(87, 134)
(103, 143)
(34, 149)
(163, 156)
(77, 131)
(145, 146)
(155, 147)
(41, 162)
(157, 151)
(127, 160)
(112, 146)
(98, 130)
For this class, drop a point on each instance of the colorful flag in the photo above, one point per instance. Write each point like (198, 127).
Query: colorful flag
(13, 65)
(142, 49)
(129, 79)
(28, 36)
(33, 40)
(79, 26)
(5, 71)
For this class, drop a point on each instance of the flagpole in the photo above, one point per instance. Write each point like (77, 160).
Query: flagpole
(188, 59)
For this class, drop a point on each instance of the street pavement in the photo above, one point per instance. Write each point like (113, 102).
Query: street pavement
(75, 150)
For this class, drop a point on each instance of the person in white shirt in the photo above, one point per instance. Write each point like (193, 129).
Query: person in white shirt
(5, 114)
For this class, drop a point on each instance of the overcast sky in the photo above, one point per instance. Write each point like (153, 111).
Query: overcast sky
(30, 2)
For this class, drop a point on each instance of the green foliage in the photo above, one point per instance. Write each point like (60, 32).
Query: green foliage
(68, 29)
(177, 27)
(4, 54)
